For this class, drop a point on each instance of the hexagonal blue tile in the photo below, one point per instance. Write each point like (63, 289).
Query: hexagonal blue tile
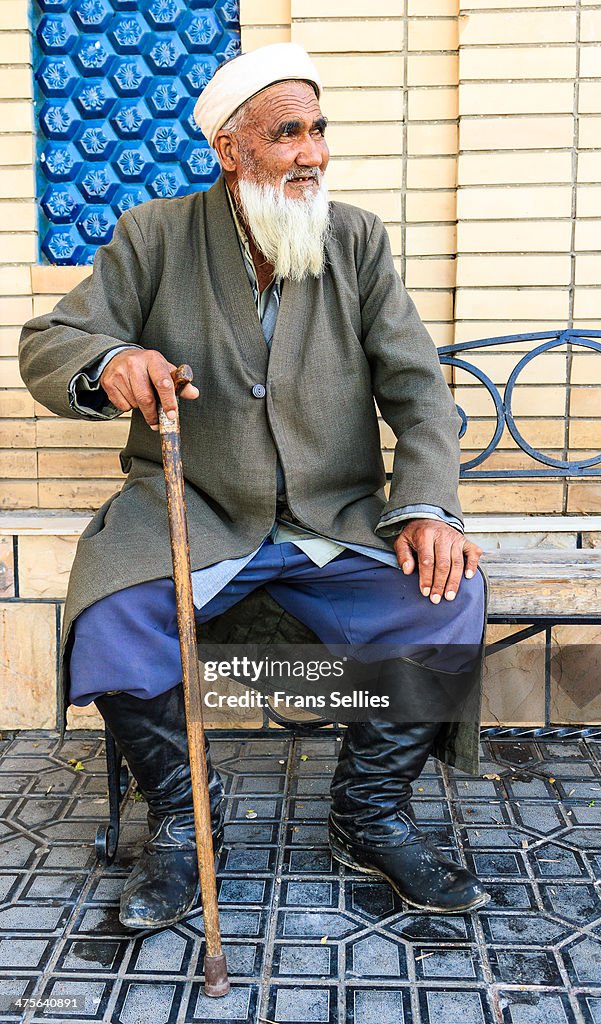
(197, 71)
(56, 76)
(94, 99)
(91, 15)
(59, 120)
(200, 31)
(93, 57)
(166, 184)
(97, 224)
(60, 246)
(116, 85)
(167, 141)
(56, 34)
(229, 12)
(60, 161)
(61, 205)
(129, 33)
(97, 183)
(200, 163)
(53, 5)
(133, 162)
(96, 142)
(131, 119)
(166, 97)
(163, 14)
(166, 56)
(130, 76)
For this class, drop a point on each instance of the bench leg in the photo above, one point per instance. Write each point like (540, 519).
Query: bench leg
(107, 836)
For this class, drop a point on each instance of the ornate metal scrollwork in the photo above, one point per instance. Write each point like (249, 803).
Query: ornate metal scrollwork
(449, 356)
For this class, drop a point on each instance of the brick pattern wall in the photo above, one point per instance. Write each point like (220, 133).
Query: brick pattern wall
(472, 132)
(529, 154)
(18, 460)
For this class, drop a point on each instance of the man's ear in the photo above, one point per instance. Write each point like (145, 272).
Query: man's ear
(226, 146)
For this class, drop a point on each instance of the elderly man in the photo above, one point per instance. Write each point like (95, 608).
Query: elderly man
(290, 311)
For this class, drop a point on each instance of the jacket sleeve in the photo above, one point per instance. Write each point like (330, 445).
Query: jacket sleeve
(409, 388)
(106, 311)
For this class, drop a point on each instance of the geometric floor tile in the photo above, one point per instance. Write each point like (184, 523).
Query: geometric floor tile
(307, 941)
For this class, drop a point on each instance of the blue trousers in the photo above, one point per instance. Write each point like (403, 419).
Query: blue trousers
(129, 640)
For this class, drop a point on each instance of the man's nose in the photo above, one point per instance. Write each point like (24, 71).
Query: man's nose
(311, 152)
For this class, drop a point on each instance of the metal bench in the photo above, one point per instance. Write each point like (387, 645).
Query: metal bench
(537, 588)
(540, 588)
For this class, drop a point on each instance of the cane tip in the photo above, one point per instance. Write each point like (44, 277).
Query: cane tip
(216, 980)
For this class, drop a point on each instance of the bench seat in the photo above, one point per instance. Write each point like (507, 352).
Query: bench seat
(530, 584)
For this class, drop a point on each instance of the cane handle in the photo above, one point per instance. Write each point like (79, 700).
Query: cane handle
(182, 376)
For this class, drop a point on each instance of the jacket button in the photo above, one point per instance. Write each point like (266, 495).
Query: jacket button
(258, 391)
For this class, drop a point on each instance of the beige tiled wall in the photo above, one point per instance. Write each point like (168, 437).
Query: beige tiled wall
(475, 133)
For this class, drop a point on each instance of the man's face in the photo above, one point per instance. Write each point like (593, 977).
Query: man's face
(283, 134)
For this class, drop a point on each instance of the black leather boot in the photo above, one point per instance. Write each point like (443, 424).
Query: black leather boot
(372, 828)
(163, 885)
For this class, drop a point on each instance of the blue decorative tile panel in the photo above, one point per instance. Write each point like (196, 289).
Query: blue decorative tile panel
(115, 86)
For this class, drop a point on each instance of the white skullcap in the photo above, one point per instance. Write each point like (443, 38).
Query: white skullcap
(244, 76)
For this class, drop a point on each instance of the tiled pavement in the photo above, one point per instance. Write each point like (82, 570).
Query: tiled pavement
(306, 940)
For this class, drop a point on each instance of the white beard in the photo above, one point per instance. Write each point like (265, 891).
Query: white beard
(291, 233)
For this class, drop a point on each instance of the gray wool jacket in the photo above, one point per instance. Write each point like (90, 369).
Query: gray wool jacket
(173, 279)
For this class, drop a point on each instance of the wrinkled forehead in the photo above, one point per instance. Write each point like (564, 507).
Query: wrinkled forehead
(282, 103)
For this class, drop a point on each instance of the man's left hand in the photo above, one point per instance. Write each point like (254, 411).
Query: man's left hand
(443, 556)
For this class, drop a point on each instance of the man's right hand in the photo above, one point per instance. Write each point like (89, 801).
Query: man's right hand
(133, 378)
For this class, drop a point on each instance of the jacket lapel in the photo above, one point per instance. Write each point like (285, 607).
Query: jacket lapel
(290, 327)
(230, 280)
(233, 289)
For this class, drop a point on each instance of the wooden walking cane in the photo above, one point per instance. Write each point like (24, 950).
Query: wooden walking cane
(216, 979)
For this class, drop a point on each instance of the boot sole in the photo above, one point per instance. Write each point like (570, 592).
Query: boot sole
(140, 923)
(348, 862)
